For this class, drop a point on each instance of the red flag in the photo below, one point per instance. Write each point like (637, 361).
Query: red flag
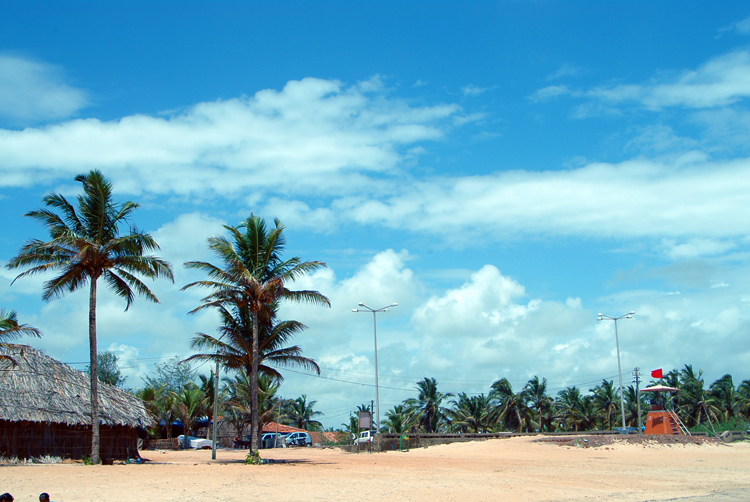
(657, 374)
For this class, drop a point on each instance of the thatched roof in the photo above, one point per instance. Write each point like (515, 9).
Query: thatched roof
(40, 389)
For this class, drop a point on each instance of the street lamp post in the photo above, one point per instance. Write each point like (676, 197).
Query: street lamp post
(603, 317)
(375, 327)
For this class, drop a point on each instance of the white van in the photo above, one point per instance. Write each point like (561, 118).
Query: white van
(365, 437)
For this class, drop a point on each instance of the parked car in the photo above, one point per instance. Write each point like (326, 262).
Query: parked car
(365, 437)
(267, 440)
(299, 439)
(197, 443)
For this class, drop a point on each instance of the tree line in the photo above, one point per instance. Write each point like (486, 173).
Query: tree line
(721, 405)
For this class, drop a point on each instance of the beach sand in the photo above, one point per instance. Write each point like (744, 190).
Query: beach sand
(516, 469)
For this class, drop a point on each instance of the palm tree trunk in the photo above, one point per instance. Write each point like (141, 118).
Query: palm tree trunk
(94, 375)
(254, 388)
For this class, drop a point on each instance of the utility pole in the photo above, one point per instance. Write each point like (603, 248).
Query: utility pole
(638, 398)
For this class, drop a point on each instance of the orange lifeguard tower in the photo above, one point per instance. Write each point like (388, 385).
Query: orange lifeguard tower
(661, 421)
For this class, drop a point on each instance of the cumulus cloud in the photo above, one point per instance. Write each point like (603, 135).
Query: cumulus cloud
(32, 91)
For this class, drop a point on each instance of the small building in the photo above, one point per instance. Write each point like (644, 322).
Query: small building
(45, 410)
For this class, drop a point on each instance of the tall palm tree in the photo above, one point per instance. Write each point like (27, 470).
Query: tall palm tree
(427, 406)
(253, 277)
(743, 393)
(11, 330)
(398, 420)
(568, 400)
(693, 400)
(301, 413)
(511, 408)
(87, 246)
(631, 405)
(535, 393)
(234, 346)
(724, 397)
(470, 413)
(607, 398)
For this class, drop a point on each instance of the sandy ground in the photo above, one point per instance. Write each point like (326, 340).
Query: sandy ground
(516, 469)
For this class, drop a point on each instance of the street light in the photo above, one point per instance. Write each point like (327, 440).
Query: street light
(603, 317)
(375, 327)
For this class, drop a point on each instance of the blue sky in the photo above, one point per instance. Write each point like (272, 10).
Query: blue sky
(504, 171)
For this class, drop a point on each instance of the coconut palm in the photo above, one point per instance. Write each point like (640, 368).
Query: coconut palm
(535, 393)
(254, 277)
(606, 399)
(427, 407)
(470, 413)
(725, 397)
(11, 330)
(234, 346)
(568, 400)
(631, 405)
(693, 400)
(511, 409)
(87, 246)
(398, 420)
(300, 413)
(190, 402)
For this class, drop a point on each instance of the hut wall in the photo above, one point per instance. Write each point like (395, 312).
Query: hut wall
(39, 439)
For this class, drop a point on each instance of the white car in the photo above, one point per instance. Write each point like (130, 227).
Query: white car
(365, 437)
(197, 443)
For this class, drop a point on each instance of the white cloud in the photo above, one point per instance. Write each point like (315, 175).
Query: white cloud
(565, 70)
(31, 91)
(695, 248)
(314, 134)
(473, 90)
(720, 81)
(682, 197)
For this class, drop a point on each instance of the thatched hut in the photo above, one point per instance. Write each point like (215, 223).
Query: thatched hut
(45, 410)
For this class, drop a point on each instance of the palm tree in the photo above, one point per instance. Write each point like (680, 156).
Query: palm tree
(586, 413)
(398, 420)
(190, 403)
(234, 347)
(161, 404)
(300, 413)
(427, 406)
(693, 400)
(724, 396)
(631, 405)
(607, 398)
(511, 408)
(87, 246)
(470, 413)
(11, 330)
(568, 400)
(254, 277)
(535, 393)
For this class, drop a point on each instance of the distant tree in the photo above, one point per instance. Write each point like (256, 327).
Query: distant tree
(470, 413)
(511, 409)
(173, 374)
(301, 413)
(535, 393)
(568, 400)
(190, 403)
(397, 420)
(427, 407)
(107, 369)
(607, 399)
(725, 397)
